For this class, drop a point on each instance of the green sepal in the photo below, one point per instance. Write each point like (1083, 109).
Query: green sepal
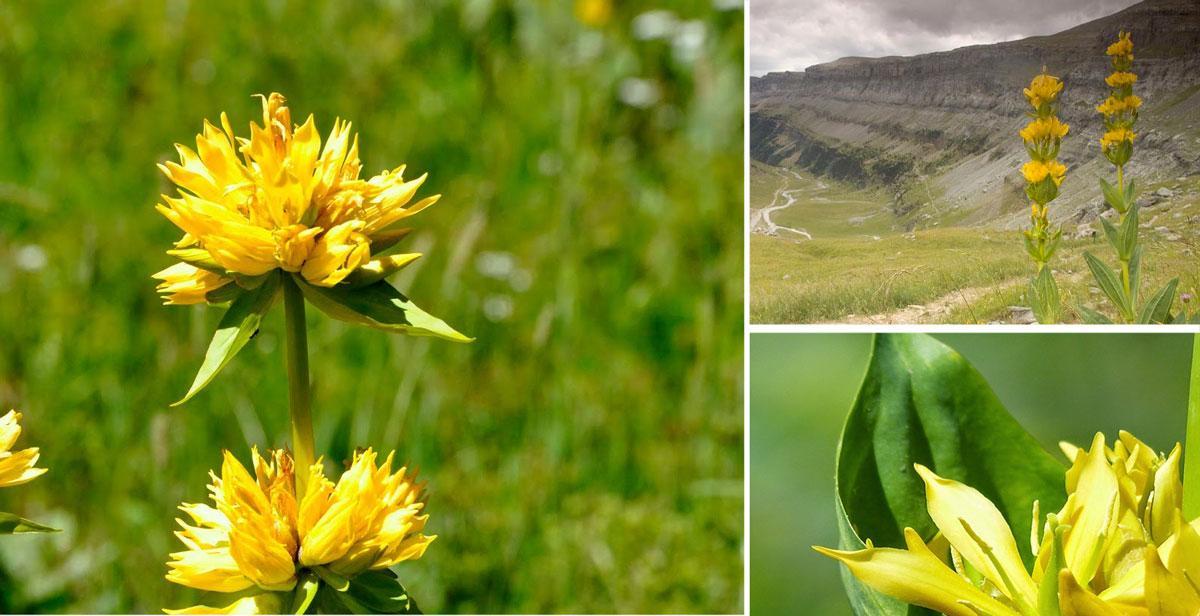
(223, 294)
(1110, 283)
(383, 241)
(1045, 299)
(334, 580)
(1048, 601)
(1113, 196)
(305, 592)
(1158, 309)
(199, 258)
(237, 326)
(250, 283)
(381, 306)
(379, 268)
(370, 592)
(13, 524)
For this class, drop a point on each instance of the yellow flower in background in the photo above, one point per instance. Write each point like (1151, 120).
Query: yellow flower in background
(1043, 89)
(16, 467)
(594, 13)
(1118, 546)
(1043, 129)
(279, 200)
(1116, 136)
(258, 536)
(1121, 79)
(1036, 171)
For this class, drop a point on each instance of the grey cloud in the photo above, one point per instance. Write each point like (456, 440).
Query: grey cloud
(792, 35)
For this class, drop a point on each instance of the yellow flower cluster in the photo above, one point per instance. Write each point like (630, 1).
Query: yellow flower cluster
(1115, 137)
(260, 534)
(16, 467)
(278, 200)
(1121, 79)
(1044, 129)
(1035, 171)
(1123, 46)
(1043, 90)
(1118, 546)
(1113, 105)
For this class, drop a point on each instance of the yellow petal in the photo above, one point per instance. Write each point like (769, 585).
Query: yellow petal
(17, 467)
(918, 577)
(1077, 601)
(1167, 499)
(265, 603)
(1092, 510)
(980, 533)
(1168, 594)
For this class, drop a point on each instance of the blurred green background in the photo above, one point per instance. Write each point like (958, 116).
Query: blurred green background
(1059, 386)
(584, 454)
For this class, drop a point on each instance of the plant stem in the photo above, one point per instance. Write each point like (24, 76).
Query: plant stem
(299, 392)
(1191, 449)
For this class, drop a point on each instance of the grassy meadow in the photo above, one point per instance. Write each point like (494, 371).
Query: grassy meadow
(859, 267)
(584, 454)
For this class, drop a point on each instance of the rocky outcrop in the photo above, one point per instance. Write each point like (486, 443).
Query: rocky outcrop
(949, 119)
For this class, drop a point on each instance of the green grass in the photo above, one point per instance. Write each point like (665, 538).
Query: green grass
(584, 454)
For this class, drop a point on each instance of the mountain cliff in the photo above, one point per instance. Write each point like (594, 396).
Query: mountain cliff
(939, 130)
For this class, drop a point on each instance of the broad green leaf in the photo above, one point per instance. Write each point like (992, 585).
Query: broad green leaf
(379, 268)
(12, 524)
(1135, 272)
(1109, 283)
(1092, 317)
(306, 591)
(1127, 234)
(378, 305)
(1047, 303)
(921, 402)
(239, 324)
(1110, 233)
(1158, 309)
(371, 592)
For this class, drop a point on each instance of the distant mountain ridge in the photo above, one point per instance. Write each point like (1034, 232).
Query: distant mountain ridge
(948, 120)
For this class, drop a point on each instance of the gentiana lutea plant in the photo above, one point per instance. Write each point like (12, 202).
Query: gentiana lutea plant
(279, 215)
(1120, 111)
(1043, 176)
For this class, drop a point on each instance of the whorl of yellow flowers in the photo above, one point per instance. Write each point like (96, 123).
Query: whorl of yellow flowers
(1118, 546)
(16, 467)
(1120, 109)
(279, 200)
(259, 536)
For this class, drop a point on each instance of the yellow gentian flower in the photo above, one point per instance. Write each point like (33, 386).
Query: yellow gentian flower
(16, 467)
(1044, 129)
(1121, 79)
(1043, 89)
(278, 200)
(1115, 137)
(1118, 546)
(1113, 106)
(1123, 46)
(1036, 171)
(258, 536)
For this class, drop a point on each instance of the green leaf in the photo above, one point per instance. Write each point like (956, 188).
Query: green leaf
(921, 402)
(1158, 309)
(1047, 303)
(1135, 271)
(1113, 196)
(12, 524)
(1110, 233)
(306, 591)
(371, 592)
(1092, 317)
(239, 324)
(1127, 234)
(378, 305)
(1109, 283)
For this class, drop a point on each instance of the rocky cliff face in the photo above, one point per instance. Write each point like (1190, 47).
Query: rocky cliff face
(947, 121)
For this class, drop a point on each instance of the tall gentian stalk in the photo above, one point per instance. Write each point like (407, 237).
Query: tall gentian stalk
(278, 214)
(1043, 175)
(1120, 111)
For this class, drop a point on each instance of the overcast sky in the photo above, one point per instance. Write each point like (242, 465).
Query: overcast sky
(795, 34)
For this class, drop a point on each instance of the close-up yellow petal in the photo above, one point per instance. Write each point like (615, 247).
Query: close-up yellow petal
(263, 603)
(919, 577)
(1092, 511)
(977, 529)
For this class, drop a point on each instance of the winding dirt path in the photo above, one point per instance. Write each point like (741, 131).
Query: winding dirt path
(933, 310)
(760, 220)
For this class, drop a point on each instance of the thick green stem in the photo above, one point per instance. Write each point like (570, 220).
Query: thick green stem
(299, 392)
(1191, 446)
